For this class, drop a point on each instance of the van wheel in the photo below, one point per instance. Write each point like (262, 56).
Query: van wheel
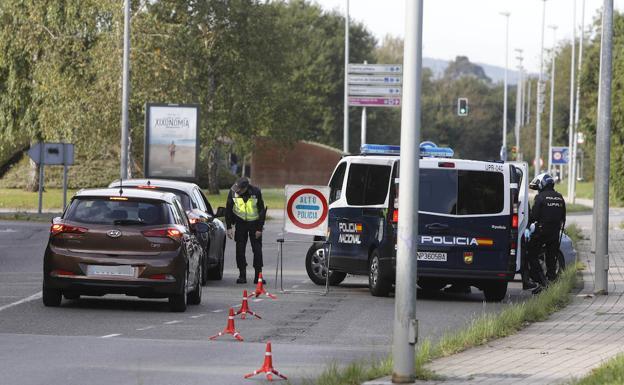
(377, 284)
(495, 291)
(177, 302)
(316, 267)
(51, 297)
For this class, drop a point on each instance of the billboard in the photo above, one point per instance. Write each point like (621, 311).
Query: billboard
(171, 141)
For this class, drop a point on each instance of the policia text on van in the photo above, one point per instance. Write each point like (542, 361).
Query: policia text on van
(468, 221)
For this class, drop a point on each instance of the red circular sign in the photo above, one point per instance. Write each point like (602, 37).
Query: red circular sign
(292, 200)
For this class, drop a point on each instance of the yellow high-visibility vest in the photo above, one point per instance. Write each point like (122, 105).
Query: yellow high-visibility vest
(247, 211)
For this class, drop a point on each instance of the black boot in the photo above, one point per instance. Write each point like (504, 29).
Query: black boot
(242, 278)
(256, 277)
(527, 284)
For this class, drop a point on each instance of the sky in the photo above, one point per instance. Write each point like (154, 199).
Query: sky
(475, 28)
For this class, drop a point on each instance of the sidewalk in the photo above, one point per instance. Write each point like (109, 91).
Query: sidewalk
(568, 345)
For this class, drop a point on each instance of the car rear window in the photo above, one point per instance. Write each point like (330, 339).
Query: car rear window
(461, 192)
(115, 212)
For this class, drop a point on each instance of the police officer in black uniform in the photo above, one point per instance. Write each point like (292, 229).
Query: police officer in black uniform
(549, 216)
(245, 210)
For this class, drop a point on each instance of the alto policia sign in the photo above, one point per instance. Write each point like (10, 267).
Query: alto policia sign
(306, 209)
(375, 85)
(171, 141)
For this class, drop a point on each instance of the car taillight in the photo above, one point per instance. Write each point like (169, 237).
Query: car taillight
(62, 273)
(59, 228)
(161, 277)
(514, 221)
(147, 186)
(446, 164)
(512, 248)
(170, 232)
(395, 216)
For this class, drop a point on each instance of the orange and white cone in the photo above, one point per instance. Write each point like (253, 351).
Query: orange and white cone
(267, 366)
(229, 329)
(260, 289)
(244, 309)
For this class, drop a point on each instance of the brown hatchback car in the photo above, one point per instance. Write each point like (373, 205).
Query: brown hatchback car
(131, 242)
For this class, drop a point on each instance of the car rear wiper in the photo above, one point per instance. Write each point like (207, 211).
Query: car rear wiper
(128, 222)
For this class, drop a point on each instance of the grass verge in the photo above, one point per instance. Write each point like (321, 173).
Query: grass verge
(34, 217)
(610, 373)
(576, 208)
(575, 234)
(479, 332)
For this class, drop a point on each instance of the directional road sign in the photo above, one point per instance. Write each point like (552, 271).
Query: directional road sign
(375, 68)
(360, 101)
(374, 91)
(306, 209)
(376, 79)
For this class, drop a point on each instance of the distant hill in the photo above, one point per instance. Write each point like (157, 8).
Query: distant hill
(497, 74)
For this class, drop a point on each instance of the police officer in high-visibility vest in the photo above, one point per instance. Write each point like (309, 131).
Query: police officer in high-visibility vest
(245, 210)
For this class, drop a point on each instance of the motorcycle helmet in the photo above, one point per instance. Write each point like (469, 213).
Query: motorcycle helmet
(541, 181)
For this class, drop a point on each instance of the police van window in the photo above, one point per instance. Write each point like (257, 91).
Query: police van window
(336, 182)
(438, 191)
(367, 184)
(480, 192)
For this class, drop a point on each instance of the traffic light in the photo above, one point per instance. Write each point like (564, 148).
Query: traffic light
(462, 106)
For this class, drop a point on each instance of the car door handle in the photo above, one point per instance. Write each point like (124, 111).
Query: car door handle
(437, 227)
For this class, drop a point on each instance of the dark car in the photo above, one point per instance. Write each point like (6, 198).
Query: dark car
(197, 208)
(132, 242)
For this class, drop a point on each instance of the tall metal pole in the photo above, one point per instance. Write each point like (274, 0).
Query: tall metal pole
(518, 102)
(540, 103)
(405, 323)
(528, 105)
(577, 111)
(123, 167)
(552, 98)
(571, 123)
(603, 152)
(345, 140)
(363, 130)
(503, 151)
(524, 98)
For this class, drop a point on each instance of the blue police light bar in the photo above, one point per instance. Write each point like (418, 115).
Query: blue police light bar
(430, 149)
(427, 149)
(380, 149)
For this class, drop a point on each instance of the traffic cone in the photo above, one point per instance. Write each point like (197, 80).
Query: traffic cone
(244, 309)
(229, 329)
(267, 366)
(260, 289)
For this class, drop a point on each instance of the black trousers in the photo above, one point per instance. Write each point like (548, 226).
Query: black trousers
(244, 231)
(551, 240)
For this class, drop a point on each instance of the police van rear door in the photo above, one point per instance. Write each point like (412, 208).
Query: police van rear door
(464, 220)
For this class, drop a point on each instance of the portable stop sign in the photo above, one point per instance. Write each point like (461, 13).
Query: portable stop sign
(306, 209)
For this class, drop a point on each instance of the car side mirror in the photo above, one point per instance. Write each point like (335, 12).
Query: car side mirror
(200, 227)
(220, 212)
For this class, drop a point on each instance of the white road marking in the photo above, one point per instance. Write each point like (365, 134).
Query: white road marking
(217, 311)
(8, 231)
(21, 301)
(110, 335)
(197, 316)
(145, 328)
(172, 322)
(304, 281)
(295, 286)
(258, 300)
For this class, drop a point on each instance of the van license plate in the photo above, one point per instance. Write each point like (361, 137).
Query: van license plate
(428, 256)
(116, 271)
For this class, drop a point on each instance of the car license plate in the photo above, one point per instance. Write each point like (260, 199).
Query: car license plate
(429, 256)
(116, 271)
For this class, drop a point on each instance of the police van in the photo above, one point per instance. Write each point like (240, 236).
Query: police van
(469, 217)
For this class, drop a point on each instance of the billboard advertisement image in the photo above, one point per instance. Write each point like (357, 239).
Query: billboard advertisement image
(171, 141)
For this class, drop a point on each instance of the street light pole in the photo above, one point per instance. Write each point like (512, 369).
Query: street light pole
(603, 152)
(540, 103)
(345, 146)
(123, 167)
(503, 151)
(518, 102)
(578, 96)
(552, 97)
(571, 122)
(405, 333)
